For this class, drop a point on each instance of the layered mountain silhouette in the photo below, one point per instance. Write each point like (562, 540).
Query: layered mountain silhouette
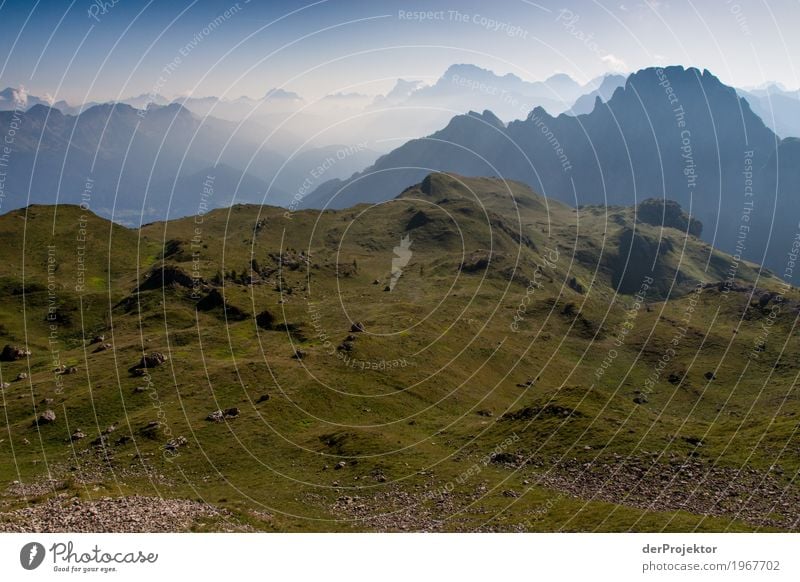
(586, 103)
(779, 108)
(136, 166)
(673, 133)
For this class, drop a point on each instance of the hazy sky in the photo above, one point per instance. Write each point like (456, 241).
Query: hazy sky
(99, 50)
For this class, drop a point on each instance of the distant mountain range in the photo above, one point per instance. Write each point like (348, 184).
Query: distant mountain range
(779, 108)
(586, 103)
(616, 141)
(410, 109)
(137, 166)
(672, 133)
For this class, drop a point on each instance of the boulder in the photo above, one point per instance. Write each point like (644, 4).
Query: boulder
(150, 430)
(222, 415)
(216, 416)
(12, 353)
(176, 443)
(47, 417)
(78, 435)
(152, 360)
(357, 327)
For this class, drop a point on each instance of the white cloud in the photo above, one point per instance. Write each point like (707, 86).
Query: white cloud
(614, 63)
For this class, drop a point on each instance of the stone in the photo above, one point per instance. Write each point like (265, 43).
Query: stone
(222, 415)
(22, 376)
(78, 435)
(98, 339)
(299, 355)
(357, 327)
(152, 360)
(102, 348)
(47, 417)
(176, 443)
(139, 389)
(216, 416)
(262, 398)
(340, 465)
(12, 353)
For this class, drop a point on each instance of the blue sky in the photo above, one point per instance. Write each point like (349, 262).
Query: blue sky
(56, 47)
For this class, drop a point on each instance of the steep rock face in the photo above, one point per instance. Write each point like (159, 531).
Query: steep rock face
(638, 259)
(668, 213)
(672, 133)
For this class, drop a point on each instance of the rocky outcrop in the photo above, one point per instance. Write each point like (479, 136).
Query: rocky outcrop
(13, 353)
(667, 213)
(152, 360)
(166, 276)
(223, 415)
(47, 417)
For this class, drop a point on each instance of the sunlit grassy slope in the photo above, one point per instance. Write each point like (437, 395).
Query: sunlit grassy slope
(501, 334)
